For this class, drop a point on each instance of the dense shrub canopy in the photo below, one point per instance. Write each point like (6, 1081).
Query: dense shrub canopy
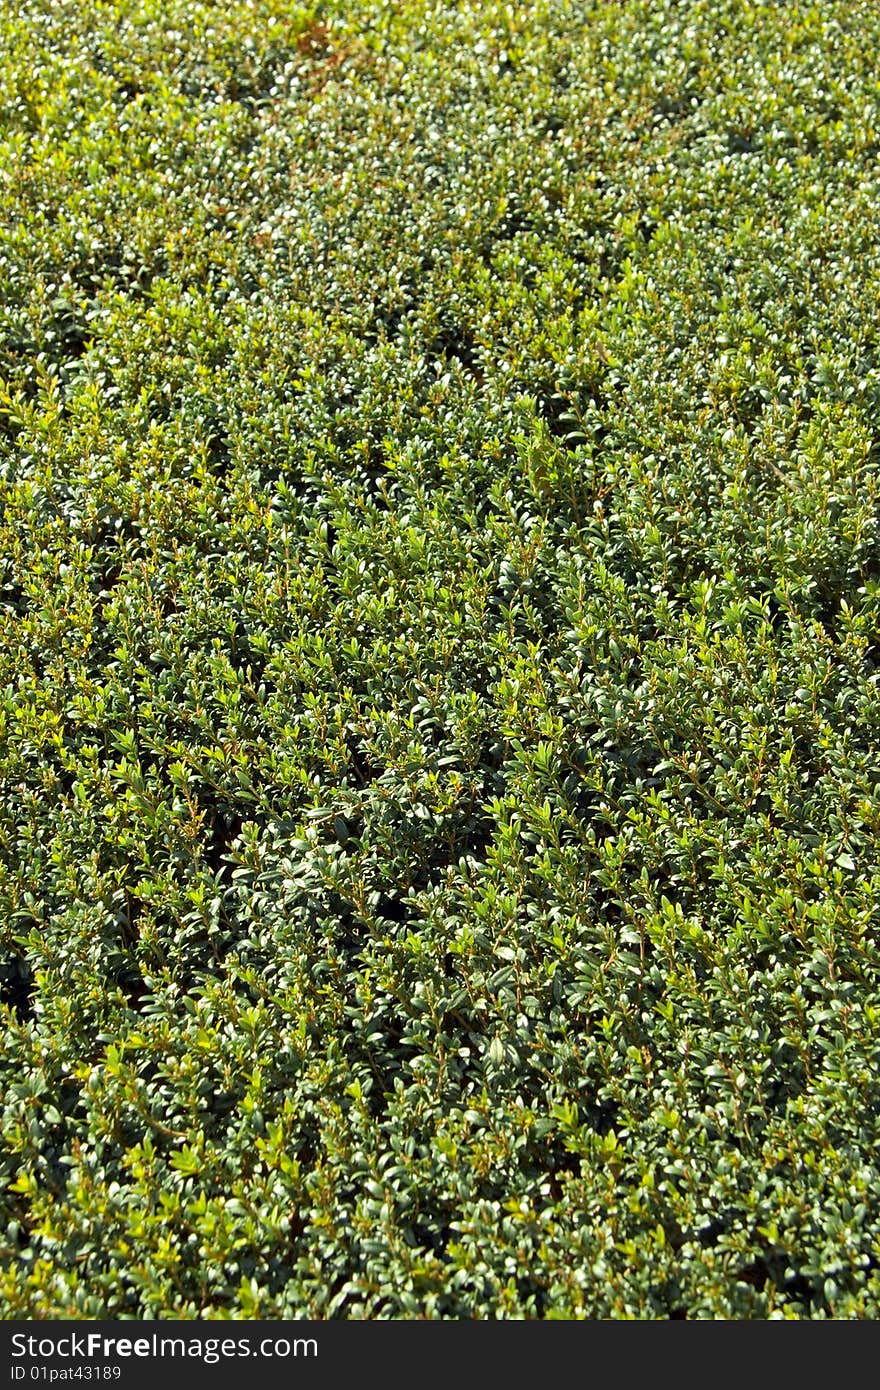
(439, 601)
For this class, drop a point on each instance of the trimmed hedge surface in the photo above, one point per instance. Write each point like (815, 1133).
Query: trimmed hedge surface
(439, 621)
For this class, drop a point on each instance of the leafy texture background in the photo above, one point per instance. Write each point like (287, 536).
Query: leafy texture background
(439, 596)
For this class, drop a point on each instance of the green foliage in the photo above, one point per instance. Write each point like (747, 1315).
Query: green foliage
(439, 602)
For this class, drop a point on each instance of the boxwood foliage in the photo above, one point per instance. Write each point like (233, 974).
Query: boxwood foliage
(439, 602)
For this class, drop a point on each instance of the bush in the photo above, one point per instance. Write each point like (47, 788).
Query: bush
(439, 596)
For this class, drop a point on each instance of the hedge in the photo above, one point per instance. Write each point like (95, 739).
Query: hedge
(439, 621)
